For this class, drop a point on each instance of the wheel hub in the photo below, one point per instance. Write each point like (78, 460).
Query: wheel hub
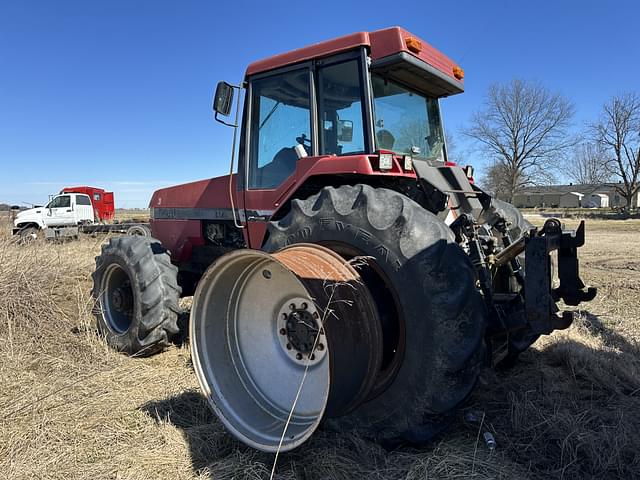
(122, 299)
(116, 299)
(301, 330)
(298, 328)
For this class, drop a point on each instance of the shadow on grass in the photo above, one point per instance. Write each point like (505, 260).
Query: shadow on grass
(597, 328)
(570, 409)
(190, 412)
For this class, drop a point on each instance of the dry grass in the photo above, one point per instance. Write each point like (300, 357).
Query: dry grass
(71, 408)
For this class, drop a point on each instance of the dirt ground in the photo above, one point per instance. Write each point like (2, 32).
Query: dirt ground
(72, 408)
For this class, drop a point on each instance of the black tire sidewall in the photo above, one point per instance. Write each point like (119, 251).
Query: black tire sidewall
(127, 341)
(155, 294)
(436, 293)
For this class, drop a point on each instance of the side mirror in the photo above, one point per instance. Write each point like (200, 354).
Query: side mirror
(223, 98)
(345, 131)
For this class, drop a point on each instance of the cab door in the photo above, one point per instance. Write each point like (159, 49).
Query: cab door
(59, 212)
(83, 209)
(279, 122)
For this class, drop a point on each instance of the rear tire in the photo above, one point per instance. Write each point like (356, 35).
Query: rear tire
(136, 295)
(440, 316)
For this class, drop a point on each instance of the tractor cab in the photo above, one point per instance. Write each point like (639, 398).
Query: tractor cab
(371, 99)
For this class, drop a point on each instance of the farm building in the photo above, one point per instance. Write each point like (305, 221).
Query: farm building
(602, 195)
(571, 200)
(596, 200)
(526, 200)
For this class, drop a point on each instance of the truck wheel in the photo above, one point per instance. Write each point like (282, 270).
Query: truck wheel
(521, 340)
(29, 235)
(432, 316)
(139, 230)
(136, 295)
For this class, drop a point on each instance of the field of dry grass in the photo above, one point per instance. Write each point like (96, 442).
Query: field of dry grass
(71, 408)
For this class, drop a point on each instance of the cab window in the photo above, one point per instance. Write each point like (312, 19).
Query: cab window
(280, 121)
(96, 197)
(63, 201)
(406, 121)
(83, 200)
(340, 97)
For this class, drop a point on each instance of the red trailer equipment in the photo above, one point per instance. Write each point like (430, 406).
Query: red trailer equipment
(103, 204)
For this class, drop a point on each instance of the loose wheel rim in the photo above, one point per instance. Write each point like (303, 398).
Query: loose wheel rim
(116, 299)
(249, 378)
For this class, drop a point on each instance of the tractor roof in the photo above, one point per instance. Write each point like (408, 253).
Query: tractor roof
(381, 43)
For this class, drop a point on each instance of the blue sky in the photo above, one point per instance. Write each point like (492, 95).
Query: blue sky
(117, 93)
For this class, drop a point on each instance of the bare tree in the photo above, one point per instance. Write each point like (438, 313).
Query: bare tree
(523, 128)
(618, 133)
(497, 181)
(452, 147)
(589, 164)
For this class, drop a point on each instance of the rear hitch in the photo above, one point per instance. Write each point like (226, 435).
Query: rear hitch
(540, 296)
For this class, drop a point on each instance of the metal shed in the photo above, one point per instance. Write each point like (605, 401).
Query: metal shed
(571, 200)
(597, 200)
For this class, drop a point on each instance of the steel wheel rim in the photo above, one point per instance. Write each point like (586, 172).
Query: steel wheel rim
(248, 377)
(116, 320)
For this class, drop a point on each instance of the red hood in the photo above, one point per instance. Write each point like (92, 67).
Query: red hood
(209, 193)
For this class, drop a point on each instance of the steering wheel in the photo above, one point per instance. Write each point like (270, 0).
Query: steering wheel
(305, 142)
(302, 139)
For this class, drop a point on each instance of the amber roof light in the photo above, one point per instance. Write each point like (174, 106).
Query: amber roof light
(458, 73)
(413, 44)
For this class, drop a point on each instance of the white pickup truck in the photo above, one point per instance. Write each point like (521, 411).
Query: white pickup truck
(65, 210)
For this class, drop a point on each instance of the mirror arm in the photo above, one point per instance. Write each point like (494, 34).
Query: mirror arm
(225, 123)
(233, 156)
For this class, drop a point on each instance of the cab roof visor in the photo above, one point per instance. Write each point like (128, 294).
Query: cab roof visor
(406, 69)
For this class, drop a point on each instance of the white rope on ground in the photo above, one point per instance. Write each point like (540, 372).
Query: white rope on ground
(296, 398)
(355, 262)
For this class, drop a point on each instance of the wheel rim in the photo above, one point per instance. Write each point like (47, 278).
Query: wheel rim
(250, 350)
(351, 320)
(28, 235)
(392, 323)
(117, 299)
(137, 231)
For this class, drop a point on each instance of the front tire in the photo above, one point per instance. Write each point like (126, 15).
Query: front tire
(433, 316)
(136, 295)
(29, 235)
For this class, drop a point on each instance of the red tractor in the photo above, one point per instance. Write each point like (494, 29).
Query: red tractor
(348, 273)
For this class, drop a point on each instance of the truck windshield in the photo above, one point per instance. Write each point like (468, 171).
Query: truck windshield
(406, 122)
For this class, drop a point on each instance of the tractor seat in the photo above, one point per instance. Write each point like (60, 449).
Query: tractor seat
(276, 171)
